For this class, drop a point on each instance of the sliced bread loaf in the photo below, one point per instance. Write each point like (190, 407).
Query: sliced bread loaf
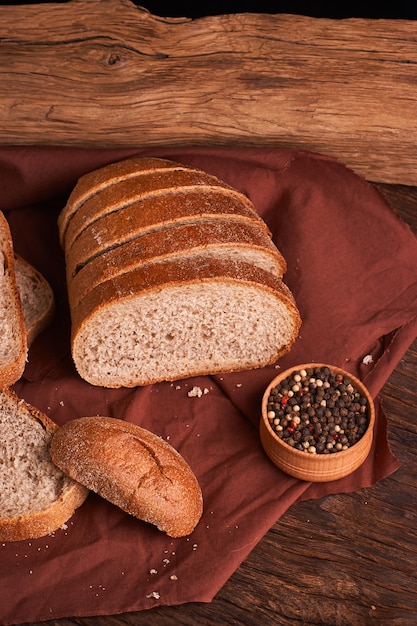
(36, 296)
(217, 239)
(155, 214)
(36, 498)
(132, 468)
(13, 344)
(180, 318)
(144, 185)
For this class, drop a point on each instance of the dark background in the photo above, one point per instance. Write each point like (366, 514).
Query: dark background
(334, 9)
(183, 8)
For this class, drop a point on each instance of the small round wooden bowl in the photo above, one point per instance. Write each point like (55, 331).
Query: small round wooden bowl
(316, 467)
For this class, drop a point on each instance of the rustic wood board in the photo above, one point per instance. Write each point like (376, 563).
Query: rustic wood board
(106, 73)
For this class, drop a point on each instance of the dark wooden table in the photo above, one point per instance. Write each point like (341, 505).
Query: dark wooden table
(347, 89)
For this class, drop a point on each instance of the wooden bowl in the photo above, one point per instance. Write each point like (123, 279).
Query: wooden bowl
(316, 467)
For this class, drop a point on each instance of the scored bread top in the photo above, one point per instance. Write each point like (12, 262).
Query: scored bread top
(156, 214)
(13, 344)
(224, 239)
(133, 468)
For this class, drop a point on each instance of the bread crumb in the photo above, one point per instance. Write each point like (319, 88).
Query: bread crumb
(367, 360)
(153, 571)
(154, 594)
(64, 527)
(173, 577)
(197, 392)
(62, 403)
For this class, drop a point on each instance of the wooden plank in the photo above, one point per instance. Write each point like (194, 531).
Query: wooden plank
(103, 73)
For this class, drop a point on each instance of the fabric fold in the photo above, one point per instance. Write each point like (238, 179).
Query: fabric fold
(351, 266)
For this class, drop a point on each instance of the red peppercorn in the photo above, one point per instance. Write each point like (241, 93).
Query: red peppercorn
(284, 399)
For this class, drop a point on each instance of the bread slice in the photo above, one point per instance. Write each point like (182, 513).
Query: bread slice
(93, 182)
(217, 239)
(36, 296)
(155, 214)
(36, 498)
(132, 468)
(181, 318)
(140, 187)
(13, 344)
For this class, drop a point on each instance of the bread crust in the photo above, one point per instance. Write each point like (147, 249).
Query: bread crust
(13, 369)
(140, 187)
(93, 182)
(156, 214)
(45, 521)
(150, 232)
(133, 468)
(223, 238)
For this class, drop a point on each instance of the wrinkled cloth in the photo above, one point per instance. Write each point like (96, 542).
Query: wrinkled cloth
(352, 269)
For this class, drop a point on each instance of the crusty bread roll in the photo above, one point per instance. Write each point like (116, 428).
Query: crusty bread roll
(36, 498)
(132, 468)
(181, 318)
(13, 343)
(217, 239)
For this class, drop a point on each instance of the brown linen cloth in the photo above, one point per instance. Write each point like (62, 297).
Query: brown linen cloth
(352, 268)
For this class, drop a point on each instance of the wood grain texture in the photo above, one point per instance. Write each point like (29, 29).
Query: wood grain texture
(343, 560)
(106, 73)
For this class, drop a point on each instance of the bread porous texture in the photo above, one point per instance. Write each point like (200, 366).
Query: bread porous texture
(36, 497)
(180, 331)
(29, 481)
(10, 344)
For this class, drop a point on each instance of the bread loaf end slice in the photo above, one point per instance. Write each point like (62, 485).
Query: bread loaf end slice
(133, 468)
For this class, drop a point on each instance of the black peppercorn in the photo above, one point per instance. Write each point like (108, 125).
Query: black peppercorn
(318, 412)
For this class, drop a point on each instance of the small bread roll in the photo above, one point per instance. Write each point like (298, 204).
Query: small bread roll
(132, 468)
